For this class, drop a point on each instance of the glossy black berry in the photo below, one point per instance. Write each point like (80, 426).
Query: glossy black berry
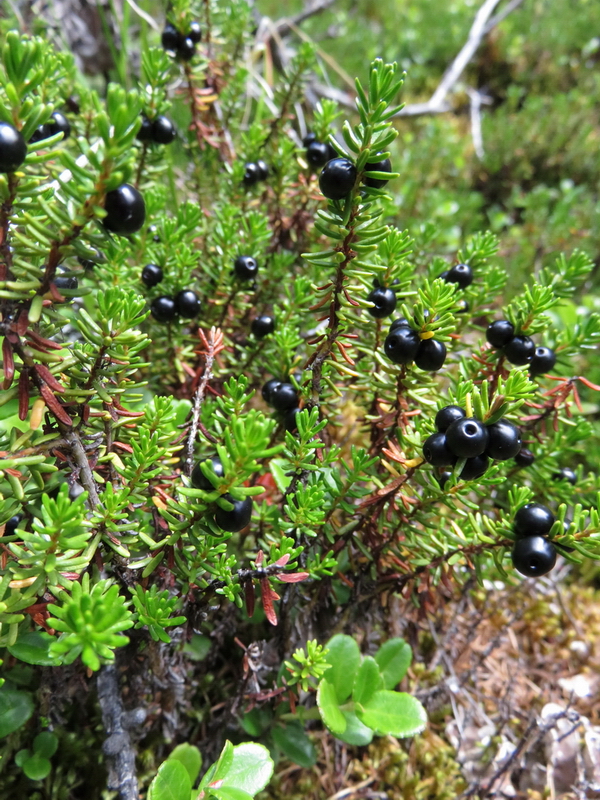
(170, 37)
(467, 437)
(436, 451)
(309, 139)
(524, 458)
(186, 49)
(384, 300)
(533, 519)
(447, 415)
(163, 309)
(154, 231)
(267, 389)
(13, 148)
(337, 179)
(317, 154)
(198, 478)
(533, 556)
(59, 124)
(125, 210)
(145, 132)
(500, 333)
(401, 322)
(504, 440)
(195, 32)
(245, 268)
(443, 478)
(401, 345)
(12, 524)
(542, 361)
(251, 174)
(66, 282)
(188, 303)
(377, 166)
(461, 274)
(463, 307)
(430, 355)
(236, 519)
(152, 274)
(262, 326)
(40, 133)
(519, 350)
(163, 130)
(474, 467)
(262, 170)
(289, 419)
(566, 474)
(283, 397)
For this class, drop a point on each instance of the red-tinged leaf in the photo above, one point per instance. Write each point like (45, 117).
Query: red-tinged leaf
(250, 597)
(259, 558)
(23, 395)
(267, 601)
(14, 472)
(35, 338)
(56, 295)
(293, 577)
(123, 446)
(55, 407)
(22, 322)
(85, 415)
(281, 562)
(45, 374)
(9, 364)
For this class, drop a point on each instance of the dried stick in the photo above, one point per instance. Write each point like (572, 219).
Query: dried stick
(213, 343)
(120, 755)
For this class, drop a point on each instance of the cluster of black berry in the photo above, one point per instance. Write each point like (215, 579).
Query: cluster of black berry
(159, 130)
(186, 303)
(262, 326)
(403, 345)
(317, 153)
(58, 124)
(339, 175)
(460, 436)
(283, 397)
(183, 45)
(533, 553)
(519, 350)
(255, 171)
(236, 518)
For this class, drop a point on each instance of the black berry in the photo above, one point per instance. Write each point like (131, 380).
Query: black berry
(533, 556)
(542, 361)
(40, 133)
(463, 307)
(262, 326)
(145, 132)
(59, 124)
(337, 179)
(436, 451)
(245, 267)
(500, 333)
(163, 130)
(377, 166)
(443, 478)
(524, 458)
(401, 322)
(198, 478)
(519, 350)
(251, 174)
(461, 274)
(13, 148)
(125, 210)
(467, 437)
(533, 519)
(186, 49)
(152, 274)
(566, 474)
(401, 345)
(474, 467)
(289, 419)
(262, 169)
(430, 355)
(309, 139)
(195, 32)
(447, 415)
(237, 518)
(267, 389)
(384, 302)
(154, 231)
(188, 303)
(12, 524)
(504, 440)
(163, 309)
(170, 37)
(317, 154)
(283, 397)
(66, 282)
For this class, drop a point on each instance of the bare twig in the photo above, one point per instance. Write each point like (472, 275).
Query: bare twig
(285, 25)
(477, 98)
(81, 459)
(212, 343)
(120, 755)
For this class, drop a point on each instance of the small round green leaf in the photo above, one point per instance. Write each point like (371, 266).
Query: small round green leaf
(37, 767)
(190, 757)
(172, 782)
(32, 648)
(395, 713)
(295, 744)
(251, 768)
(356, 733)
(15, 709)
(329, 707)
(45, 744)
(344, 657)
(367, 681)
(393, 659)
